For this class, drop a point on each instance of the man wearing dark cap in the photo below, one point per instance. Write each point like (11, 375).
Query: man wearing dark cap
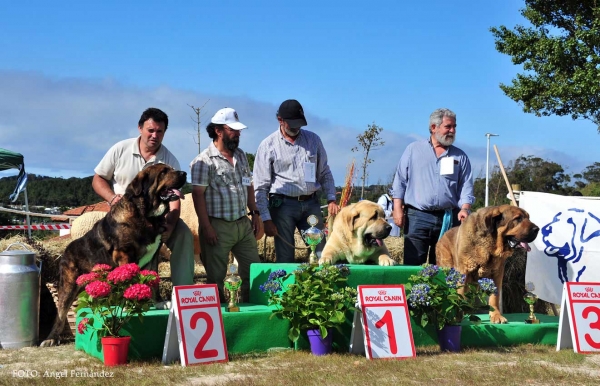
(289, 168)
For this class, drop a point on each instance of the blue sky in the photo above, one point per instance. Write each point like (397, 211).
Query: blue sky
(75, 77)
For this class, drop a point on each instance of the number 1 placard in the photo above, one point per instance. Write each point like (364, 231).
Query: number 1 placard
(196, 321)
(579, 326)
(384, 323)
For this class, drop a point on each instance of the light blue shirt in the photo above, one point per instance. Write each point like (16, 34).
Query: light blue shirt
(279, 168)
(419, 183)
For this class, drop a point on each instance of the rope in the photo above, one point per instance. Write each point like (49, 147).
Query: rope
(3, 209)
(291, 245)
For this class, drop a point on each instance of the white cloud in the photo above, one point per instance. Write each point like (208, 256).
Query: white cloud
(63, 127)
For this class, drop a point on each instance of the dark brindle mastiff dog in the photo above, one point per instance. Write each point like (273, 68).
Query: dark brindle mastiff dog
(121, 237)
(480, 246)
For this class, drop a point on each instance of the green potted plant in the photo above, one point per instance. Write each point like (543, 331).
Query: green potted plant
(439, 296)
(114, 296)
(316, 301)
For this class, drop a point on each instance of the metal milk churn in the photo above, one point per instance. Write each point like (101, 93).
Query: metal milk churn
(19, 298)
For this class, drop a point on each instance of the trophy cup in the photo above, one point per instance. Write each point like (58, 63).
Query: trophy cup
(232, 284)
(312, 236)
(530, 298)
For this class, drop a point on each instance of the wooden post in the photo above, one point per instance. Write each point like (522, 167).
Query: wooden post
(510, 191)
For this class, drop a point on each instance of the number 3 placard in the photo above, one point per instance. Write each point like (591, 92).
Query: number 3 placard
(581, 322)
(384, 324)
(196, 321)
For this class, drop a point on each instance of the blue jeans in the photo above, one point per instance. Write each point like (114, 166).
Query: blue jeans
(422, 231)
(290, 215)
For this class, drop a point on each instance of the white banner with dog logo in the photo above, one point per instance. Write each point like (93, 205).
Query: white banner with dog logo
(567, 248)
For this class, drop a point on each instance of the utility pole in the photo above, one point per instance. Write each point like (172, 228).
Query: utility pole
(198, 111)
(487, 166)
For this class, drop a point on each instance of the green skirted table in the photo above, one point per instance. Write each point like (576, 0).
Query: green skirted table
(246, 331)
(252, 329)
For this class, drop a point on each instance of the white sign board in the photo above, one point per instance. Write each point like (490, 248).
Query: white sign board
(384, 329)
(579, 325)
(196, 321)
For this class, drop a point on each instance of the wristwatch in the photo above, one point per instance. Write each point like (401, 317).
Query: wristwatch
(252, 212)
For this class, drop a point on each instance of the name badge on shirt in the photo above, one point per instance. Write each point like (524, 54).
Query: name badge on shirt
(246, 181)
(447, 166)
(309, 172)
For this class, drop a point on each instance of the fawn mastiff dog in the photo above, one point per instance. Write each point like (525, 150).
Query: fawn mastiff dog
(121, 237)
(357, 234)
(480, 246)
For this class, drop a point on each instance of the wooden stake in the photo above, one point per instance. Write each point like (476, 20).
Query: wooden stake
(510, 191)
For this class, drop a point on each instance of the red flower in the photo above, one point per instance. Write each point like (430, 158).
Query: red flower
(101, 268)
(82, 326)
(87, 278)
(98, 289)
(138, 292)
(123, 273)
(154, 279)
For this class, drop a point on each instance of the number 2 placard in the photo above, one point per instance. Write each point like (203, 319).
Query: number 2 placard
(384, 323)
(581, 322)
(196, 314)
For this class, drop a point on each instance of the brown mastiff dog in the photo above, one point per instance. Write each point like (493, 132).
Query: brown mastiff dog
(121, 237)
(480, 246)
(357, 234)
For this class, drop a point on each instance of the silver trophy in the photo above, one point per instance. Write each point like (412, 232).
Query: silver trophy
(312, 236)
(232, 283)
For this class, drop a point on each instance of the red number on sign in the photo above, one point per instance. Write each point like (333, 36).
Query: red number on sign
(387, 319)
(199, 352)
(595, 325)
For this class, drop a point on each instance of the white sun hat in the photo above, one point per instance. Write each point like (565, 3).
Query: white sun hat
(229, 117)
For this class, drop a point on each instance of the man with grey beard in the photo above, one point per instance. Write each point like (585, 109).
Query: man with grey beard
(222, 192)
(432, 188)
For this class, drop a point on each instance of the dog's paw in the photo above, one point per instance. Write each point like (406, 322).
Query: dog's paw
(497, 318)
(386, 261)
(325, 260)
(49, 343)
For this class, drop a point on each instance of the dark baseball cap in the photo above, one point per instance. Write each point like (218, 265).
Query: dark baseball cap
(292, 112)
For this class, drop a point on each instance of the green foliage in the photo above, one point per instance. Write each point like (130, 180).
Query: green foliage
(369, 140)
(434, 296)
(559, 53)
(250, 158)
(50, 191)
(115, 296)
(592, 172)
(318, 297)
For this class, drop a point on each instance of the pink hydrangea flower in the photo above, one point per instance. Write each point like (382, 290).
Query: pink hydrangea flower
(82, 326)
(123, 273)
(153, 282)
(98, 289)
(101, 268)
(138, 292)
(87, 278)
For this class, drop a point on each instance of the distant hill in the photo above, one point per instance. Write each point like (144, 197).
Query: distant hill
(53, 191)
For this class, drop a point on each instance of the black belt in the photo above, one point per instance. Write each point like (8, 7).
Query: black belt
(304, 197)
(437, 212)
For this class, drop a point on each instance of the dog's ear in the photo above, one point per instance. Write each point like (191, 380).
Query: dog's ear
(492, 216)
(351, 215)
(139, 184)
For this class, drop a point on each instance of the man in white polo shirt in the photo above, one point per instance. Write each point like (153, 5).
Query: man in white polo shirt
(124, 161)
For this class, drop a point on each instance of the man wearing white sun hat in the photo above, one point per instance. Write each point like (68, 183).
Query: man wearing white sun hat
(222, 192)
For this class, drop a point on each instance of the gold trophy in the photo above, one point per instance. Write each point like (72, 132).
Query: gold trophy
(312, 236)
(530, 298)
(232, 282)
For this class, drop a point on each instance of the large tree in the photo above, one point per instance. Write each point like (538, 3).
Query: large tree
(560, 56)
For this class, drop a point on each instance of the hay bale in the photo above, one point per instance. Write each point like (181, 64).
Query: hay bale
(189, 217)
(82, 224)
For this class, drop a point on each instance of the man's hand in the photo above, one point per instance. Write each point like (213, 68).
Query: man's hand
(257, 226)
(167, 233)
(270, 228)
(209, 235)
(463, 214)
(332, 208)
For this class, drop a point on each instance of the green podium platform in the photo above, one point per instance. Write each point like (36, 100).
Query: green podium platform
(245, 331)
(252, 329)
